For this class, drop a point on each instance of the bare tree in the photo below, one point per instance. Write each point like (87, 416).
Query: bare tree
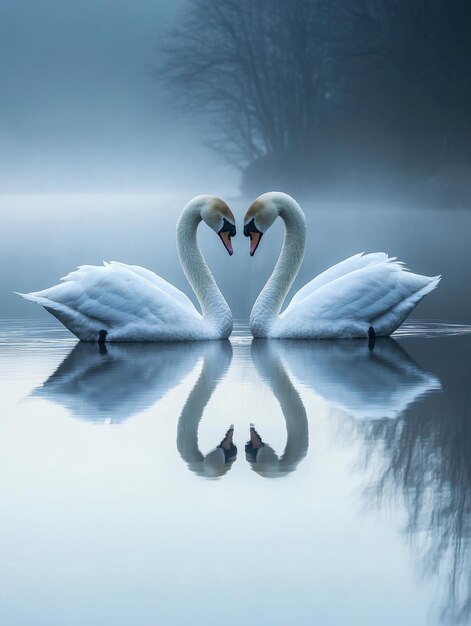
(325, 89)
(257, 70)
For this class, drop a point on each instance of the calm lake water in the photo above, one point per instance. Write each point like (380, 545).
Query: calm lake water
(117, 507)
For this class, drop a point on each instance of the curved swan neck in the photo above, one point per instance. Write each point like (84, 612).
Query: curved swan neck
(293, 410)
(217, 358)
(188, 423)
(268, 304)
(214, 307)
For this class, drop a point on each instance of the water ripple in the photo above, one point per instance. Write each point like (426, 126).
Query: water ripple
(428, 329)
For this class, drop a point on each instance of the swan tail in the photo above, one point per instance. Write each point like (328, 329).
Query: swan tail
(81, 326)
(389, 321)
(28, 296)
(35, 296)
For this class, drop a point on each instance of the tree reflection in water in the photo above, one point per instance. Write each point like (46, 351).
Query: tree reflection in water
(425, 456)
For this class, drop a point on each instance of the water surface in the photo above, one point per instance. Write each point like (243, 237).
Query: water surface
(117, 505)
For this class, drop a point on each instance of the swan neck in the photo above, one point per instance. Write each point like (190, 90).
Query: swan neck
(214, 307)
(188, 423)
(269, 363)
(217, 358)
(293, 410)
(268, 305)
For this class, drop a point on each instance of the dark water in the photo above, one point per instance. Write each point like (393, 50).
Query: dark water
(351, 507)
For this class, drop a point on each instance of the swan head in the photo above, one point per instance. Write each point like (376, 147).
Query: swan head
(218, 216)
(260, 216)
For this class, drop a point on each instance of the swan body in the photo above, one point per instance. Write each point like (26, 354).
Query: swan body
(362, 292)
(131, 303)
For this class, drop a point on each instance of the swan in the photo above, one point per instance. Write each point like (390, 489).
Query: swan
(364, 295)
(119, 302)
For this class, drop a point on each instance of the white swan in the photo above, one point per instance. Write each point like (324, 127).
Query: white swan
(363, 295)
(119, 302)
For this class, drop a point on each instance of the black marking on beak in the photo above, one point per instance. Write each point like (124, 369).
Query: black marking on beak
(250, 230)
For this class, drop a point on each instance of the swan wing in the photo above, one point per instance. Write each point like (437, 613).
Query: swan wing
(353, 263)
(124, 302)
(157, 280)
(379, 294)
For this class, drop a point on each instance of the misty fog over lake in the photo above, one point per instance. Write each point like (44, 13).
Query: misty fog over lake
(342, 495)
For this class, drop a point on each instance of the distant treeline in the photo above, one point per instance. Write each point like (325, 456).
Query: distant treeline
(356, 95)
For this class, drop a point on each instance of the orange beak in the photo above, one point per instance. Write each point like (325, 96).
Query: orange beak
(254, 241)
(226, 240)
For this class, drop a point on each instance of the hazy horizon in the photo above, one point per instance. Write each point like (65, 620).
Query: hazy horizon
(80, 109)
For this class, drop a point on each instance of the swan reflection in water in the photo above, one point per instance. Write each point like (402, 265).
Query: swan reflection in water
(363, 383)
(115, 382)
(263, 459)
(217, 358)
